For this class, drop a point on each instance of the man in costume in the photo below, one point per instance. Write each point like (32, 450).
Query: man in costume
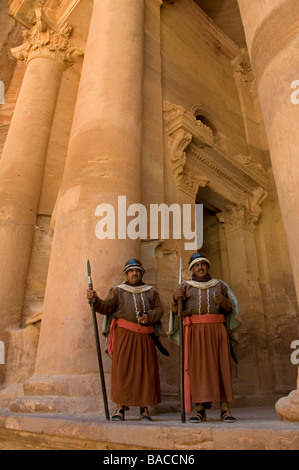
(132, 310)
(211, 318)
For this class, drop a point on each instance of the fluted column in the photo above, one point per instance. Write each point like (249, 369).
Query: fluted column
(103, 162)
(46, 51)
(272, 35)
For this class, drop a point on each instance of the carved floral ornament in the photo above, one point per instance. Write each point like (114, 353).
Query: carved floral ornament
(188, 137)
(45, 39)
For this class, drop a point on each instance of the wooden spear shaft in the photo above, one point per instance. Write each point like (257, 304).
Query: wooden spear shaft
(181, 359)
(99, 354)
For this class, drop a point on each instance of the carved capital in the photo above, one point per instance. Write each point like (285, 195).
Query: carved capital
(47, 40)
(238, 216)
(246, 215)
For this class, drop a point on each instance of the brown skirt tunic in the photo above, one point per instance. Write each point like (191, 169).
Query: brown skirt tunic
(209, 363)
(135, 374)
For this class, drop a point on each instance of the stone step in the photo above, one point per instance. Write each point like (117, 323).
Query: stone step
(255, 429)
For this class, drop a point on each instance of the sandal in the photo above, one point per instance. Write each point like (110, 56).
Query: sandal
(144, 413)
(226, 416)
(199, 415)
(119, 414)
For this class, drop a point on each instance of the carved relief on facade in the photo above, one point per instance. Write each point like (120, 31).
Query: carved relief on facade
(47, 40)
(178, 141)
(243, 73)
(219, 173)
(189, 182)
(244, 215)
(238, 216)
(197, 161)
(175, 116)
(24, 10)
(253, 168)
(182, 128)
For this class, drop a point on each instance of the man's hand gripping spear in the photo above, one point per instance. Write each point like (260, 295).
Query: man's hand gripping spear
(96, 332)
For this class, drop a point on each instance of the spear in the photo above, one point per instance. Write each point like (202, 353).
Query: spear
(96, 332)
(181, 332)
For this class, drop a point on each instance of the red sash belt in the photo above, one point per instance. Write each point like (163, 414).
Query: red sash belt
(128, 325)
(188, 321)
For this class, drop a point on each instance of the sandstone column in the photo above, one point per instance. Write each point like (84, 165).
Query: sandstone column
(272, 37)
(103, 162)
(23, 158)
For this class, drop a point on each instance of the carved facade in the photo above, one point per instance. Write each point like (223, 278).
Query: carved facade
(150, 100)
